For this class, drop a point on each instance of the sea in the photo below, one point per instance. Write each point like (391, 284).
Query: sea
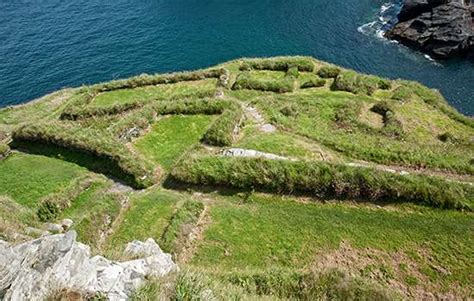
(46, 45)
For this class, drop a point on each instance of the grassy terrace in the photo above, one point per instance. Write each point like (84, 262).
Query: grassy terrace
(372, 199)
(171, 137)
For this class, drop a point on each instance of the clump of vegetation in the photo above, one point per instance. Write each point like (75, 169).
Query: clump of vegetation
(293, 72)
(329, 72)
(313, 83)
(351, 81)
(183, 220)
(294, 285)
(88, 112)
(347, 114)
(323, 179)
(4, 150)
(289, 110)
(224, 128)
(53, 204)
(402, 93)
(392, 126)
(246, 81)
(278, 64)
(148, 80)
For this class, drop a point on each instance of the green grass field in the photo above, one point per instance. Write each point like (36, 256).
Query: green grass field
(27, 178)
(147, 216)
(159, 92)
(171, 137)
(374, 200)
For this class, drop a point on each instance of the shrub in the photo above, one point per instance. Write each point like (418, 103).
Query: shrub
(323, 179)
(222, 131)
(329, 72)
(313, 83)
(246, 81)
(278, 64)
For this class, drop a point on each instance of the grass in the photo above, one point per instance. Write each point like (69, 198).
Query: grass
(265, 231)
(160, 92)
(170, 137)
(323, 179)
(147, 216)
(185, 217)
(254, 245)
(97, 220)
(317, 115)
(27, 178)
(278, 143)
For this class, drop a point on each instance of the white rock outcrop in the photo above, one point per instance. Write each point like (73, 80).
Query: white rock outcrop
(37, 269)
(250, 153)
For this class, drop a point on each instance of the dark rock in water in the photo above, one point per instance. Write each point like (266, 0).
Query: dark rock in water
(441, 28)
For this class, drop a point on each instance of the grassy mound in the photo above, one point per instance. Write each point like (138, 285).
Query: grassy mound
(324, 180)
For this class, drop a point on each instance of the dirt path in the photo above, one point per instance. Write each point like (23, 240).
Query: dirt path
(253, 114)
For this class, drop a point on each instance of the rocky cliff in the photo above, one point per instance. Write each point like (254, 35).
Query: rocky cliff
(441, 28)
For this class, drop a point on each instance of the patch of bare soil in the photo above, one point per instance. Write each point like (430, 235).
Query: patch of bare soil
(395, 270)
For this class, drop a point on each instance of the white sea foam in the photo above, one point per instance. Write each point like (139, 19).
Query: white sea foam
(386, 18)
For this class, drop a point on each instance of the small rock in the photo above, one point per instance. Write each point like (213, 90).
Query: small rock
(250, 153)
(268, 128)
(219, 94)
(143, 249)
(66, 223)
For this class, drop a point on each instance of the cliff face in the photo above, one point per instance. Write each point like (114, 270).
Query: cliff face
(441, 28)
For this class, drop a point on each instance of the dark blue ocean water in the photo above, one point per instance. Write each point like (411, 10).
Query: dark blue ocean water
(50, 44)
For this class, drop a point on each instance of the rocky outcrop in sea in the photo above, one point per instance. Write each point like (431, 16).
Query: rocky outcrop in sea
(55, 264)
(441, 28)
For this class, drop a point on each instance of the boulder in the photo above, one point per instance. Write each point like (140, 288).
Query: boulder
(441, 28)
(38, 269)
